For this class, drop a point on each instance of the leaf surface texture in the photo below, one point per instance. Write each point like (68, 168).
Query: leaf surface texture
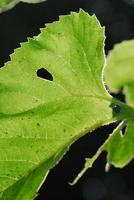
(41, 115)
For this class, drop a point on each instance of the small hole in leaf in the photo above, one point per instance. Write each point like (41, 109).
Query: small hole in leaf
(44, 74)
(124, 130)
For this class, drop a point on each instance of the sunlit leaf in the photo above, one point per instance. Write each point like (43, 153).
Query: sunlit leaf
(52, 93)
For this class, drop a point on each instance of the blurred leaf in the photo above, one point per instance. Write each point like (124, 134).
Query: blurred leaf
(120, 62)
(119, 74)
(8, 4)
(120, 147)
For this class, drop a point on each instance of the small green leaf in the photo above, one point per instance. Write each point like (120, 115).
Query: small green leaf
(120, 74)
(7, 4)
(120, 70)
(120, 147)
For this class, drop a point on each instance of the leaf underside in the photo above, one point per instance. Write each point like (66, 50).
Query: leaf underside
(40, 117)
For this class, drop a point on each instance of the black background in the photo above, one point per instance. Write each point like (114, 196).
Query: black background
(118, 17)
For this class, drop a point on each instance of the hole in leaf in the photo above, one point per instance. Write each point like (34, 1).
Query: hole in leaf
(124, 130)
(44, 74)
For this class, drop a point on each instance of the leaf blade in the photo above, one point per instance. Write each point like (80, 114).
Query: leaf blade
(51, 115)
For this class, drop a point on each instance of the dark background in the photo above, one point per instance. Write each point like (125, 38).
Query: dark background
(118, 17)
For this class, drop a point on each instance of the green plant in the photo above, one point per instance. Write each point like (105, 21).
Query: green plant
(41, 118)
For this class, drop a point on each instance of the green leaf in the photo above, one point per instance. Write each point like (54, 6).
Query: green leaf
(119, 70)
(40, 118)
(120, 147)
(7, 4)
(119, 73)
(27, 187)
